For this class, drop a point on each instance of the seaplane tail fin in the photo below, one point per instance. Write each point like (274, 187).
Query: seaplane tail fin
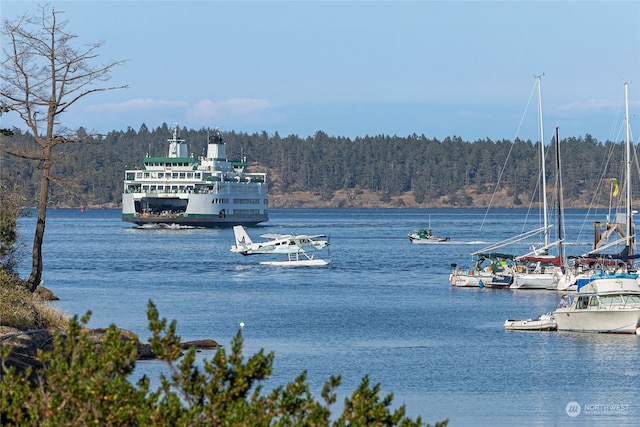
(243, 241)
(242, 238)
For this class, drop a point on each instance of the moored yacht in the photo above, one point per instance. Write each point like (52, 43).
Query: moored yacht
(609, 302)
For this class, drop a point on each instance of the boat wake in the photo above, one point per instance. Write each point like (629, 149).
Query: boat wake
(450, 242)
(474, 242)
(163, 226)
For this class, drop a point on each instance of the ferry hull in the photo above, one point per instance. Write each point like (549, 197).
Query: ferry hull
(202, 221)
(196, 210)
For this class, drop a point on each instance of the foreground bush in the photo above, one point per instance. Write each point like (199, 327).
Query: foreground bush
(79, 386)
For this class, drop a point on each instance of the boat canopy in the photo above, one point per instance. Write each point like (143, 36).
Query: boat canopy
(495, 255)
(557, 260)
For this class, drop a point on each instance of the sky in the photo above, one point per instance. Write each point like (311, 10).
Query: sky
(359, 68)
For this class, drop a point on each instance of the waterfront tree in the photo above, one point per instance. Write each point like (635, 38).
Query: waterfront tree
(43, 75)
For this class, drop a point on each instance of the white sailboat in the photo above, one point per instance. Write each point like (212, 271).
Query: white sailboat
(608, 301)
(537, 269)
(491, 270)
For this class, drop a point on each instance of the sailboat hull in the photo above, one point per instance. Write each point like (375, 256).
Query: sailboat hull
(535, 281)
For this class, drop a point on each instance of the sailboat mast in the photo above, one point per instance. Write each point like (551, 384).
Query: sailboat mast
(560, 200)
(630, 231)
(542, 169)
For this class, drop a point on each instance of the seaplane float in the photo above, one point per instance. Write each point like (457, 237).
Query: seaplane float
(299, 249)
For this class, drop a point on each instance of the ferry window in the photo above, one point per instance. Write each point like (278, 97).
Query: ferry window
(182, 175)
(190, 175)
(174, 175)
(139, 175)
(153, 188)
(160, 174)
(197, 175)
(146, 174)
(145, 187)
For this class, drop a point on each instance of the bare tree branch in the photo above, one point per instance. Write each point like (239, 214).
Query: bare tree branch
(43, 75)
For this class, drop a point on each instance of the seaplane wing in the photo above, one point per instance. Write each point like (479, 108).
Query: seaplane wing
(279, 243)
(273, 236)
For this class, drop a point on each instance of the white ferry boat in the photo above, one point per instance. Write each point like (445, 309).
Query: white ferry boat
(180, 190)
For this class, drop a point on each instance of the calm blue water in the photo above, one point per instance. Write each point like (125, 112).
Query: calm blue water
(383, 308)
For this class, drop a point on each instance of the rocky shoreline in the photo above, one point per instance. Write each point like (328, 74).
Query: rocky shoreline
(24, 344)
(366, 199)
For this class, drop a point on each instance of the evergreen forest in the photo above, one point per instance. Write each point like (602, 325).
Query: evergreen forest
(413, 171)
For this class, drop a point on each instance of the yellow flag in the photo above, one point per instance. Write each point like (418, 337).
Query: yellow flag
(614, 184)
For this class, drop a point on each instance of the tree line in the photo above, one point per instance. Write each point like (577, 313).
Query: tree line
(429, 169)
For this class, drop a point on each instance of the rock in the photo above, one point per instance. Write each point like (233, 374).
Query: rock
(25, 344)
(45, 294)
(24, 348)
(145, 352)
(200, 344)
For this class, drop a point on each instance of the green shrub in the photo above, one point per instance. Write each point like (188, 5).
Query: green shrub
(81, 386)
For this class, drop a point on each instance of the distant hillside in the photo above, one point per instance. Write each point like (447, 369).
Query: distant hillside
(327, 171)
(368, 199)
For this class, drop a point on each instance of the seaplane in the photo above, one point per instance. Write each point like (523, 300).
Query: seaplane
(300, 249)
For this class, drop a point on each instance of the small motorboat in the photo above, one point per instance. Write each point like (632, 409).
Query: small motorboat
(544, 322)
(425, 235)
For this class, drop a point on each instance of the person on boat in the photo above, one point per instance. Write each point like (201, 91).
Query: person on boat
(565, 301)
(622, 267)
